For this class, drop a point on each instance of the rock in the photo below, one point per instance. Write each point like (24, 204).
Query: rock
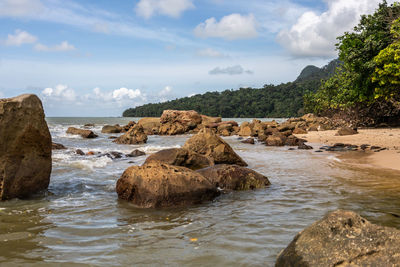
(299, 131)
(134, 136)
(304, 146)
(207, 121)
(150, 125)
(343, 238)
(245, 129)
(126, 128)
(180, 157)
(111, 129)
(189, 118)
(292, 140)
(90, 153)
(313, 128)
(277, 139)
(112, 137)
(286, 126)
(215, 125)
(89, 125)
(116, 154)
(81, 132)
(136, 153)
(173, 129)
(271, 130)
(80, 152)
(248, 141)
(346, 131)
(233, 177)
(207, 143)
(25, 147)
(56, 146)
(158, 185)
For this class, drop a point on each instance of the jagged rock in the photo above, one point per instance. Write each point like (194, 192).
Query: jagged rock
(286, 126)
(134, 136)
(346, 131)
(189, 118)
(150, 125)
(136, 153)
(180, 157)
(25, 147)
(126, 128)
(56, 146)
(207, 121)
(81, 132)
(207, 143)
(173, 128)
(156, 185)
(343, 238)
(233, 177)
(111, 129)
(292, 140)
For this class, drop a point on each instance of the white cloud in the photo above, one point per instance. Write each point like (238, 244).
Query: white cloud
(60, 93)
(166, 91)
(62, 47)
(231, 27)
(315, 34)
(124, 93)
(234, 70)
(19, 38)
(19, 8)
(209, 52)
(171, 8)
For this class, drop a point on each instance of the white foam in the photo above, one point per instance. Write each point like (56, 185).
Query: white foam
(334, 158)
(91, 164)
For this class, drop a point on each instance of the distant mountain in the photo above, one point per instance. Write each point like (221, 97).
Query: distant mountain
(284, 100)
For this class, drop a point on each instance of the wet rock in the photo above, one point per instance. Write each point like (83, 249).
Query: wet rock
(56, 146)
(292, 140)
(112, 137)
(116, 155)
(319, 151)
(111, 129)
(136, 153)
(173, 128)
(81, 132)
(304, 146)
(207, 143)
(364, 146)
(25, 147)
(343, 238)
(233, 177)
(135, 135)
(291, 148)
(126, 128)
(157, 185)
(175, 122)
(80, 152)
(347, 131)
(150, 126)
(89, 125)
(180, 157)
(248, 141)
(276, 139)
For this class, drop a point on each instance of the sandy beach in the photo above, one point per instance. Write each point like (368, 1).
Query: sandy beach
(385, 137)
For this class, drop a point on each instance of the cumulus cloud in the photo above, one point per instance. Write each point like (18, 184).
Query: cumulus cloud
(314, 35)
(166, 91)
(19, 8)
(60, 92)
(171, 8)
(209, 52)
(62, 47)
(124, 93)
(234, 70)
(19, 38)
(231, 27)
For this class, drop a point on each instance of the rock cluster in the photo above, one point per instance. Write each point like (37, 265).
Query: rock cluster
(25, 147)
(135, 135)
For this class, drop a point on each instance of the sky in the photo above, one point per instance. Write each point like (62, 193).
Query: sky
(99, 57)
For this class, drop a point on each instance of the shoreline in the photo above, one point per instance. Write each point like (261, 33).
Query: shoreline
(388, 138)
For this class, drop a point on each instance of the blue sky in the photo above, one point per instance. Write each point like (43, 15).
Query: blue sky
(98, 57)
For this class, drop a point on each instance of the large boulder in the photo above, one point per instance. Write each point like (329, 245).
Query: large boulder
(246, 129)
(189, 118)
(81, 132)
(207, 121)
(276, 139)
(134, 136)
(233, 177)
(173, 128)
(343, 238)
(346, 131)
(181, 157)
(25, 147)
(156, 185)
(111, 129)
(207, 143)
(150, 125)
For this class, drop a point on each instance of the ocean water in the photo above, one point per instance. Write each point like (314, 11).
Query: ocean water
(81, 222)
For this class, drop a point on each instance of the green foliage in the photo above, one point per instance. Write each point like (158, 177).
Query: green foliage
(284, 100)
(363, 54)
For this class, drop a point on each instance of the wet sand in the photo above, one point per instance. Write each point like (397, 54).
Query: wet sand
(387, 137)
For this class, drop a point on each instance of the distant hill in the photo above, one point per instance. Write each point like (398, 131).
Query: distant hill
(284, 100)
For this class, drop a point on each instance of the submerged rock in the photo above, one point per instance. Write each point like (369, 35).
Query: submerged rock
(181, 157)
(135, 135)
(81, 132)
(248, 141)
(207, 143)
(80, 152)
(56, 146)
(343, 238)
(233, 177)
(25, 147)
(136, 153)
(111, 129)
(156, 185)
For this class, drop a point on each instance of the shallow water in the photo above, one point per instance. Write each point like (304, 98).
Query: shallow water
(80, 220)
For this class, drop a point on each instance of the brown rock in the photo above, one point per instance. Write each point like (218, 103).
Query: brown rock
(276, 139)
(286, 126)
(215, 125)
(248, 141)
(111, 129)
(246, 129)
(126, 128)
(136, 153)
(80, 152)
(343, 238)
(346, 131)
(81, 132)
(150, 125)
(157, 185)
(173, 128)
(233, 177)
(207, 143)
(180, 157)
(56, 146)
(90, 153)
(25, 147)
(187, 118)
(292, 140)
(134, 136)
(207, 121)
(304, 146)
(299, 131)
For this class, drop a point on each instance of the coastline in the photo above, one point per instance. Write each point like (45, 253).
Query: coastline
(388, 138)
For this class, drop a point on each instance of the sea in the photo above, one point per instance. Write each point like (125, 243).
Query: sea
(79, 221)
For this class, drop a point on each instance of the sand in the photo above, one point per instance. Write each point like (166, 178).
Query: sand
(386, 137)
